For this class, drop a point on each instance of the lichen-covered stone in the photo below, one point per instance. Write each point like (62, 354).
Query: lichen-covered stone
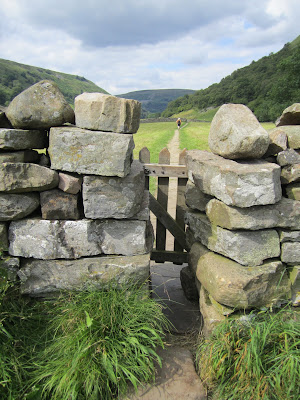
(241, 184)
(10, 266)
(26, 177)
(292, 132)
(233, 285)
(290, 116)
(22, 139)
(194, 198)
(26, 156)
(278, 142)
(114, 197)
(211, 316)
(41, 106)
(284, 214)
(88, 152)
(293, 191)
(16, 205)
(288, 236)
(294, 275)
(56, 204)
(249, 248)
(45, 277)
(102, 112)
(235, 133)
(290, 252)
(288, 157)
(290, 174)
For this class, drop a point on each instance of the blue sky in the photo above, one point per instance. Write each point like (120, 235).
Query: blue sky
(127, 45)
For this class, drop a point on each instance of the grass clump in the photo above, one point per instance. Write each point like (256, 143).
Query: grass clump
(258, 359)
(102, 340)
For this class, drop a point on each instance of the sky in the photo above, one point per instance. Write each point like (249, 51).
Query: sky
(128, 45)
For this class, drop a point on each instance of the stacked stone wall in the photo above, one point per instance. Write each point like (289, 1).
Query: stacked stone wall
(77, 215)
(243, 216)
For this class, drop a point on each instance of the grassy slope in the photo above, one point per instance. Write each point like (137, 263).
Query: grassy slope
(15, 77)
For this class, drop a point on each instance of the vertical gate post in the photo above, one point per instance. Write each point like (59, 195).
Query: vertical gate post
(144, 157)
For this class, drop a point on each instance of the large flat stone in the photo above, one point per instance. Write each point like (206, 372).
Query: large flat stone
(284, 214)
(17, 206)
(235, 133)
(249, 248)
(42, 277)
(292, 132)
(54, 239)
(241, 184)
(41, 106)
(26, 177)
(114, 197)
(101, 112)
(86, 152)
(233, 285)
(19, 139)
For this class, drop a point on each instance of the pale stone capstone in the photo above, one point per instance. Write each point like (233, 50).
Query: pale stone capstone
(290, 174)
(290, 116)
(194, 198)
(284, 214)
(16, 205)
(249, 248)
(42, 277)
(56, 204)
(102, 112)
(88, 152)
(235, 133)
(114, 197)
(288, 157)
(41, 106)
(22, 139)
(25, 156)
(292, 132)
(26, 177)
(293, 191)
(241, 184)
(233, 285)
(3, 237)
(51, 239)
(294, 275)
(290, 252)
(70, 183)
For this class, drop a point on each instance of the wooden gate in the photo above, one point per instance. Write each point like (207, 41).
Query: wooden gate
(164, 221)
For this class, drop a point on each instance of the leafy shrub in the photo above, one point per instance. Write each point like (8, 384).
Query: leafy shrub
(259, 359)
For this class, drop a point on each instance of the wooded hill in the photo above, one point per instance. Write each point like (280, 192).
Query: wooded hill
(15, 77)
(155, 101)
(266, 86)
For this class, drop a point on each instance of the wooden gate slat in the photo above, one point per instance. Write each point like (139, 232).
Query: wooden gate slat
(180, 205)
(175, 257)
(162, 198)
(144, 157)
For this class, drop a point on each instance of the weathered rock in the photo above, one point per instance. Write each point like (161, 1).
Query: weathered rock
(211, 316)
(51, 239)
(288, 157)
(3, 237)
(42, 277)
(284, 214)
(290, 174)
(292, 132)
(16, 206)
(26, 156)
(294, 275)
(69, 183)
(175, 380)
(21, 139)
(290, 116)
(194, 198)
(11, 267)
(288, 236)
(197, 250)
(290, 252)
(293, 191)
(241, 184)
(235, 286)
(248, 248)
(144, 213)
(101, 112)
(26, 177)
(278, 142)
(187, 280)
(4, 122)
(56, 204)
(224, 310)
(96, 153)
(41, 106)
(235, 133)
(45, 160)
(114, 197)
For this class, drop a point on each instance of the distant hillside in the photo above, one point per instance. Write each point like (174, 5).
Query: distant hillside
(155, 101)
(15, 77)
(266, 86)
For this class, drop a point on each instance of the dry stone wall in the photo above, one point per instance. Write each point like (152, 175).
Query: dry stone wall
(244, 216)
(78, 215)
